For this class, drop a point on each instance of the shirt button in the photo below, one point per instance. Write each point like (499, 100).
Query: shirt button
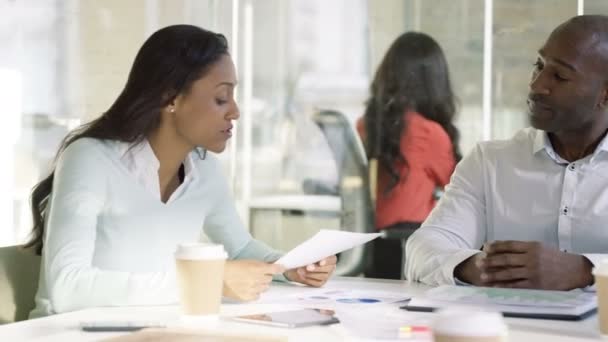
(565, 210)
(572, 167)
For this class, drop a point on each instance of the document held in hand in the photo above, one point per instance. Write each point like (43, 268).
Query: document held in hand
(323, 244)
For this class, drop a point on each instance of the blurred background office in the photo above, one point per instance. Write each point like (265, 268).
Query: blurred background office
(63, 61)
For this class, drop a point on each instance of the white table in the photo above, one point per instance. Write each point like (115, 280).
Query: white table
(64, 327)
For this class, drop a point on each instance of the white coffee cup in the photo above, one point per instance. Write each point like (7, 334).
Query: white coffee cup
(600, 273)
(200, 277)
(469, 324)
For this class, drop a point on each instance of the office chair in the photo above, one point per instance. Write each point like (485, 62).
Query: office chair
(356, 190)
(19, 272)
(357, 213)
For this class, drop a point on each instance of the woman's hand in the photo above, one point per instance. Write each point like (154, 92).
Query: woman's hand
(314, 274)
(245, 280)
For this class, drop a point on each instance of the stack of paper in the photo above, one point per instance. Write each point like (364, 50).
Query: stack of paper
(566, 305)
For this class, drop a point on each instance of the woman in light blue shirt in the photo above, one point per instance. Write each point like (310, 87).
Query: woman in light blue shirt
(132, 184)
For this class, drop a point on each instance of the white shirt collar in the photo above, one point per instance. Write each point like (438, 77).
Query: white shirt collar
(542, 143)
(602, 147)
(140, 155)
(142, 163)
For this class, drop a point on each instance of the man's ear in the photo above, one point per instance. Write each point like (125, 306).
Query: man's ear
(604, 97)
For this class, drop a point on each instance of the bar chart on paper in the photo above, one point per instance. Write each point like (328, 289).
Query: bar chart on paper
(502, 296)
(564, 305)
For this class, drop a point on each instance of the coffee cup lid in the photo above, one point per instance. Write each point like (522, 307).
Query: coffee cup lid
(196, 251)
(468, 322)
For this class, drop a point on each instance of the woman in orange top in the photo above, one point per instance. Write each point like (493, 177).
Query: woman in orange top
(407, 127)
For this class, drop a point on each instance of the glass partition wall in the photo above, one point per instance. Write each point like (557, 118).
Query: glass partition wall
(64, 61)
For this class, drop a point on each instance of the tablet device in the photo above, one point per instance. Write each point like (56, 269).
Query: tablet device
(560, 316)
(291, 319)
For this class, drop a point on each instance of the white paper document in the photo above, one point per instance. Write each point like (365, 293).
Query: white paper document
(324, 297)
(330, 298)
(323, 244)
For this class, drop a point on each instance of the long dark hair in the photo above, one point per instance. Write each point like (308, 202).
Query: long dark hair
(412, 76)
(166, 65)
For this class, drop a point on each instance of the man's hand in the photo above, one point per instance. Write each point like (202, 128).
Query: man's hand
(469, 270)
(245, 280)
(314, 274)
(523, 264)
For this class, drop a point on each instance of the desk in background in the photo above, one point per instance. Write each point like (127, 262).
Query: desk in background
(64, 327)
(284, 221)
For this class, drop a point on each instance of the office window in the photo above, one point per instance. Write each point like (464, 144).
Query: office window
(595, 6)
(32, 93)
(518, 34)
(305, 55)
(458, 28)
(294, 58)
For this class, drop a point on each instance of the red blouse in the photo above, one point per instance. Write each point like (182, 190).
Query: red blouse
(428, 151)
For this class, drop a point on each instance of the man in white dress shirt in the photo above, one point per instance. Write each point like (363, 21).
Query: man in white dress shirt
(532, 211)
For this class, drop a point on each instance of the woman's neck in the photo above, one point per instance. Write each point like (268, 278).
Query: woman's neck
(170, 152)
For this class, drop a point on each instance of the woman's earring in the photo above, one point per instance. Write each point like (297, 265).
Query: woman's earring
(172, 110)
